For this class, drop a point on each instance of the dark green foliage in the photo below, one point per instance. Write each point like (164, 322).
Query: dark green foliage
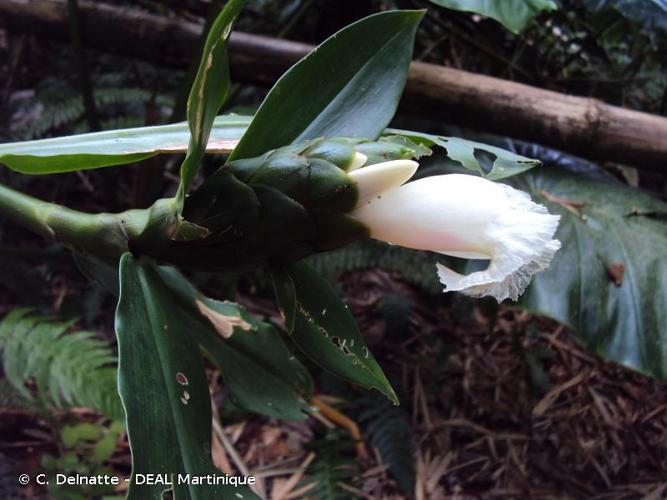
(62, 111)
(334, 465)
(163, 385)
(324, 329)
(612, 225)
(320, 97)
(414, 266)
(613, 50)
(66, 369)
(609, 49)
(258, 368)
(387, 428)
(651, 14)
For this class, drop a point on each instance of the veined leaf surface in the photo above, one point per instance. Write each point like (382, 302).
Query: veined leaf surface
(325, 330)
(115, 147)
(163, 388)
(349, 86)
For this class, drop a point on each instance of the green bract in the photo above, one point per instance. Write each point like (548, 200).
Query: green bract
(270, 210)
(284, 204)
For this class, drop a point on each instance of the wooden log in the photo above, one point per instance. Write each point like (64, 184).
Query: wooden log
(579, 125)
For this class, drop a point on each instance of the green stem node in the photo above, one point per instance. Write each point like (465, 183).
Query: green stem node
(103, 234)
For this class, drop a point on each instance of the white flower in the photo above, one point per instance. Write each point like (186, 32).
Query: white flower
(462, 216)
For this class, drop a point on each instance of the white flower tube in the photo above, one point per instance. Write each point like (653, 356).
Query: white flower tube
(462, 216)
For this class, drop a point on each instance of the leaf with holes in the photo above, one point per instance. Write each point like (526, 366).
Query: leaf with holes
(262, 374)
(325, 330)
(503, 164)
(163, 388)
(349, 86)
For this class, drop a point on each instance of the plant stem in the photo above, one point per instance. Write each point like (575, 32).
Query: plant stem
(103, 234)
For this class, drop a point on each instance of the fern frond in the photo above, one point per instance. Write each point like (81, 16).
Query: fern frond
(61, 109)
(414, 266)
(388, 429)
(329, 472)
(328, 476)
(67, 369)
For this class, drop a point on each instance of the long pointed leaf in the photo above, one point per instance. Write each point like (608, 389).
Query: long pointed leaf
(208, 93)
(164, 389)
(119, 147)
(348, 86)
(261, 373)
(325, 330)
(115, 147)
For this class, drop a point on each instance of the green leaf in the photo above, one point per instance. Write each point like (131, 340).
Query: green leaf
(325, 330)
(115, 147)
(163, 388)
(505, 163)
(605, 226)
(513, 14)
(283, 288)
(208, 93)
(349, 86)
(262, 374)
(650, 13)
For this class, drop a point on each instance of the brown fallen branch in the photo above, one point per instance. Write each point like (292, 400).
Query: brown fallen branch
(579, 125)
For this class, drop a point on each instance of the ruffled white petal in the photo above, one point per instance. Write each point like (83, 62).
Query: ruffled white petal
(501, 280)
(523, 245)
(470, 217)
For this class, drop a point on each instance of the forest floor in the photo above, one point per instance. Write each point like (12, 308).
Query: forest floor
(510, 408)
